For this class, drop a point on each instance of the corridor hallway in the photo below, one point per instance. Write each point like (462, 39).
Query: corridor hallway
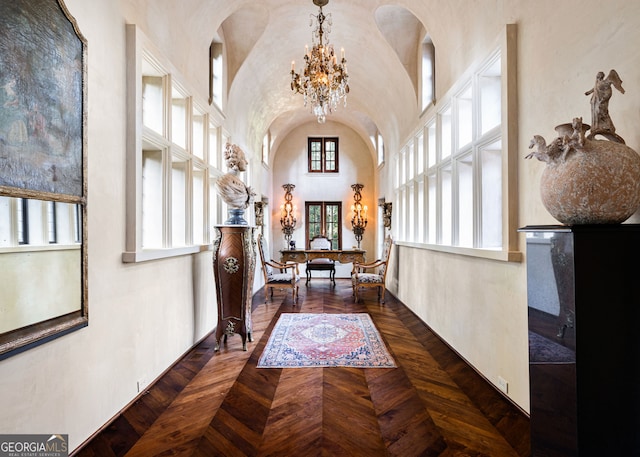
(220, 404)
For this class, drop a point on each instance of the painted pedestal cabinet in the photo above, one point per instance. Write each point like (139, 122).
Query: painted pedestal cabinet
(234, 261)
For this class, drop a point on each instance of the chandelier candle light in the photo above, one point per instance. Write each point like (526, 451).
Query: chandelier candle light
(287, 213)
(359, 218)
(324, 81)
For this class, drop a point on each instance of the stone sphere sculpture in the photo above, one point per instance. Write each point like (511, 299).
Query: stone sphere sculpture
(589, 180)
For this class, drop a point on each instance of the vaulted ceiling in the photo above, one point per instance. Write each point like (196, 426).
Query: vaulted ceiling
(381, 39)
(381, 45)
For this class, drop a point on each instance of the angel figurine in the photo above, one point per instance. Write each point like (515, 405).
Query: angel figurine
(601, 92)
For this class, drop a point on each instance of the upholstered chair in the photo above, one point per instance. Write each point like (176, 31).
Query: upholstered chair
(372, 274)
(276, 274)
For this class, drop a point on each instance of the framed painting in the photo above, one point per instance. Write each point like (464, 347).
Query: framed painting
(41, 98)
(43, 183)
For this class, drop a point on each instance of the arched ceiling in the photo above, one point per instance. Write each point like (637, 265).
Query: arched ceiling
(381, 44)
(381, 39)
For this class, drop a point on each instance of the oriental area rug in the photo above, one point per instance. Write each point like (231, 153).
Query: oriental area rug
(301, 340)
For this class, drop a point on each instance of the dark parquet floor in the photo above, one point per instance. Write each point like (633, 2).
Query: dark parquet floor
(220, 404)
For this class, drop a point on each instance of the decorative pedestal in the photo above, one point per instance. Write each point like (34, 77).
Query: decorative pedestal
(584, 342)
(234, 261)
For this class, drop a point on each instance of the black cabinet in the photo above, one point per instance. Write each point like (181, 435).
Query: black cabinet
(584, 340)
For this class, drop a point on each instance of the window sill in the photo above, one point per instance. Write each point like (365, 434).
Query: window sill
(503, 256)
(23, 248)
(157, 254)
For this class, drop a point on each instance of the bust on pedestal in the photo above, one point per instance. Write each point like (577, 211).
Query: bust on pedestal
(234, 257)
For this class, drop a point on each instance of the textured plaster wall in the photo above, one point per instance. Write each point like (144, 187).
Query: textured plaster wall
(144, 316)
(356, 166)
(479, 306)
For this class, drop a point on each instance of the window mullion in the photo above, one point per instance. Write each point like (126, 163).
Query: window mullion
(455, 203)
(189, 214)
(324, 160)
(166, 162)
(454, 181)
(439, 213)
(166, 197)
(189, 175)
(477, 198)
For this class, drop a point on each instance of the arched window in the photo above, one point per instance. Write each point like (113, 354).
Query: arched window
(427, 73)
(216, 68)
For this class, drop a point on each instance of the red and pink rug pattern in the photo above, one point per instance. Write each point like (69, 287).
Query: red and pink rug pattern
(301, 340)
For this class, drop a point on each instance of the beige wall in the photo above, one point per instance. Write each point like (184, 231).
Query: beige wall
(144, 316)
(480, 306)
(356, 166)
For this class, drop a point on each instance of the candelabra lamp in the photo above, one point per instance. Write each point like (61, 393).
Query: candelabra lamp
(359, 213)
(287, 213)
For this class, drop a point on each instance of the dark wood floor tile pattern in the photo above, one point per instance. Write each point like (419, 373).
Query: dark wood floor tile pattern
(294, 426)
(346, 403)
(220, 404)
(512, 424)
(243, 415)
(405, 425)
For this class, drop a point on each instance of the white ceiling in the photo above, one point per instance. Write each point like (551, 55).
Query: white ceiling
(262, 38)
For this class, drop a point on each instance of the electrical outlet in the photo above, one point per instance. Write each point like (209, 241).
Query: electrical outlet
(503, 385)
(142, 383)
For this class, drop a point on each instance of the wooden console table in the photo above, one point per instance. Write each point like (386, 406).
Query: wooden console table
(339, 255)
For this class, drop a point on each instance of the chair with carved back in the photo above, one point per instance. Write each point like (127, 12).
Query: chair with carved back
(277, 274)
(372, 274)
(321, 243)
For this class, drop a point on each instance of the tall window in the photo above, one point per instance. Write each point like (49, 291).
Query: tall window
(173, 161)
(266, 145)
(323, 155)
(380, 148)
(215, 70)
(428, 80)
(452, 172)
(324, 219)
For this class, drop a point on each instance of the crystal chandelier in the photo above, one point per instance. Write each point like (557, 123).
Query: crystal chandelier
(324, 81)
